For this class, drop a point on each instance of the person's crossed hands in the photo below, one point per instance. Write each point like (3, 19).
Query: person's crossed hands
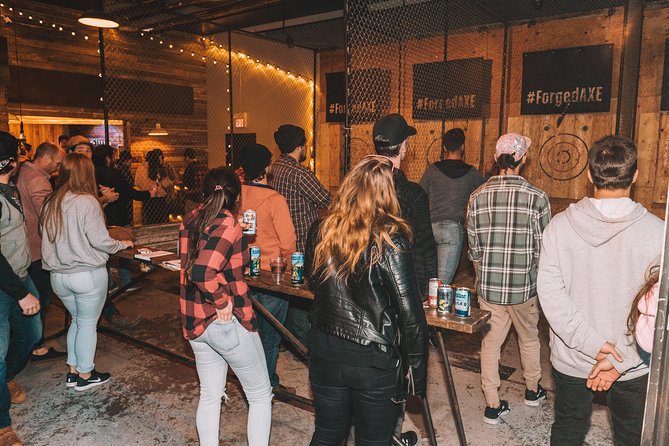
(603, 374)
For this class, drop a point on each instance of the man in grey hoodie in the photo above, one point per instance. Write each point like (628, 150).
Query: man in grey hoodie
(448, 184)
(593, 259)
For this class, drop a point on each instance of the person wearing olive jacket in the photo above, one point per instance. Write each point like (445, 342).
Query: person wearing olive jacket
(369, 335)
(20, 328)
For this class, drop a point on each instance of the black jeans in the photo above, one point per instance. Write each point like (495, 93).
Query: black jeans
(342, 391)
(42, 281)
(573, 407)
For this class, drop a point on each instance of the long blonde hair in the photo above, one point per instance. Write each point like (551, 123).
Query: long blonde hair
(364, 211)
(76, 175)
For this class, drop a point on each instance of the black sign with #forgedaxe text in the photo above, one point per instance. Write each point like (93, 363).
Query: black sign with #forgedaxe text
(455, 89)
(335, 97)
(664, 104)
(569, 80)
(369, 95)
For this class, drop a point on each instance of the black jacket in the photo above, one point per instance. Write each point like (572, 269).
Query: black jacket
(415, 208)
(379, 305)
(117, 211)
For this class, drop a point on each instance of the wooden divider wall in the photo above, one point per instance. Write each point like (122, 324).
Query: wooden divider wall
(599, 27)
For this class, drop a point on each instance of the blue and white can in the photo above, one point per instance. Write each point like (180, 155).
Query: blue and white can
(463, 299)
(254, 264)
(249, 220)
(297, 272)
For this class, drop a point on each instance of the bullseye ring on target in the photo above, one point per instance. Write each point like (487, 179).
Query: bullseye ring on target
(563, 156)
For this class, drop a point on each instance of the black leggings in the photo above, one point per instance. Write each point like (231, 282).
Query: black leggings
(342, 392)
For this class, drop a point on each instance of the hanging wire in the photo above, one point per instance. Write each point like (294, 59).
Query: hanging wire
(18, 79)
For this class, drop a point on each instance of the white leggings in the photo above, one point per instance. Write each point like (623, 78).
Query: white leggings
(220, 346)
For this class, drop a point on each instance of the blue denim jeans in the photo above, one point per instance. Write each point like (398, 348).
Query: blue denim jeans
(297, 319)
(18, 335)
(573, 407)
(448, 235)
(342, 392)
(42, 281)
(230, 344)
(83, 294)
(270, 337)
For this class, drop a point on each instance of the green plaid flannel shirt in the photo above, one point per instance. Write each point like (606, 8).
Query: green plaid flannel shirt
(505, 219)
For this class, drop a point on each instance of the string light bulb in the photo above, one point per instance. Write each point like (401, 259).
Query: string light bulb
(246, 57)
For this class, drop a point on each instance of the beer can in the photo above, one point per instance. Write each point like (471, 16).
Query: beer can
(249, 219)
(254, 267)
(297, 273)
(463, 302)
(432, 287)
(445, 299)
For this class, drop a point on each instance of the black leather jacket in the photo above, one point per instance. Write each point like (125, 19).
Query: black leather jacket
(381, 304)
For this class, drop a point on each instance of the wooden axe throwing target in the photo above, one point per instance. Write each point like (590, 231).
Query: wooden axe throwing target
(563, 156)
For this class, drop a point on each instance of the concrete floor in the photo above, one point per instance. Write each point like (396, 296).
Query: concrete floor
(151, 399)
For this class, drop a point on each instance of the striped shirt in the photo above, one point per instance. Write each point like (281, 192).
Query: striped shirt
(217, 276)
(505, 219)
(304, 193)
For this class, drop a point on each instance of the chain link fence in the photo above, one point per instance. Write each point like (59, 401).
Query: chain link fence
(178, 93)
(458, 64)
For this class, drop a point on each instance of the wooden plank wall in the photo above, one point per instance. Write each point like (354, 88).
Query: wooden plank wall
(653, 125)
(330, 136)
(600, 27)
(128, 56)
(38, 132)
(577, 31)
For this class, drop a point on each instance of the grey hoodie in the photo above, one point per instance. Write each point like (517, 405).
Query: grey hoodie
(84, 243)
(591, 267)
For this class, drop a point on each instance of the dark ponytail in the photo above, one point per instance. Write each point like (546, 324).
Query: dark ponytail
(221, 187)
(507, 161)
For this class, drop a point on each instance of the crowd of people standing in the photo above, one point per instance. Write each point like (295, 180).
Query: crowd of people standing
(370, 251)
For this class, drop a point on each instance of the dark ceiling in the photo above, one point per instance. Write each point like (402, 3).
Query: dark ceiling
(321, 23)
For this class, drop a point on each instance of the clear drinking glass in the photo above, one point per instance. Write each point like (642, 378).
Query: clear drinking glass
(278, 266)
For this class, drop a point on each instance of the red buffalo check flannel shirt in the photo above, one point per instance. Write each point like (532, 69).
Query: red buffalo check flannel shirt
(217, 276)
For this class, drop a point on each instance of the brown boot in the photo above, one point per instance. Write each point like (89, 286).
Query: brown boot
(9, 438)
(16, 393)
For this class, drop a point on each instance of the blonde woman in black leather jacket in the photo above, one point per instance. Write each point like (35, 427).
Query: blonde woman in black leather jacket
(369, 336)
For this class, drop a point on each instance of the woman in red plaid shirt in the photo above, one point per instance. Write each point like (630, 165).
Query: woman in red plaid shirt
(216, 311)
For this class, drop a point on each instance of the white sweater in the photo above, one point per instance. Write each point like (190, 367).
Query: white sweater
(591, 267)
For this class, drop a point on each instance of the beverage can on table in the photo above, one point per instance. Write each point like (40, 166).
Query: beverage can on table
(432, 287)
(463, 302)
(249, 220)
(254, 266)
(444, 299)
(297, 273)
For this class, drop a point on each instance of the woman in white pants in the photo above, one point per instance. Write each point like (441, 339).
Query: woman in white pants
(216, 311)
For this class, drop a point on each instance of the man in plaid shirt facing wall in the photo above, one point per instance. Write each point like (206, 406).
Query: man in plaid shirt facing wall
(505, 219)
(306, 197)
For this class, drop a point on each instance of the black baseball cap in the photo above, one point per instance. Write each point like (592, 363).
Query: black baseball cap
(391, 130)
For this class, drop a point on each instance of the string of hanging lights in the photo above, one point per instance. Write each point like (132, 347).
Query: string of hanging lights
(11, 13)
(183, 48)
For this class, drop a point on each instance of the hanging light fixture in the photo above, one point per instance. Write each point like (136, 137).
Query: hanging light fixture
(22, 135)
(158, 131)
(97, 18)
